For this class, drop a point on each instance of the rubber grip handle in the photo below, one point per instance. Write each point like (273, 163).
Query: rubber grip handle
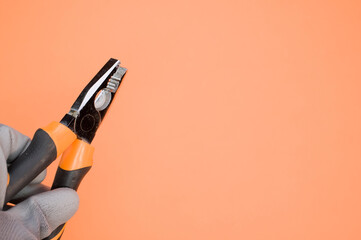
(37, 157)
(74, 165)
(69, 179)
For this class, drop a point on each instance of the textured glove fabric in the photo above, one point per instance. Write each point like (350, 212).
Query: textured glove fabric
(40, 214)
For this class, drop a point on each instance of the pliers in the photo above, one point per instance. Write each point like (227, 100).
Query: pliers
(71, 138)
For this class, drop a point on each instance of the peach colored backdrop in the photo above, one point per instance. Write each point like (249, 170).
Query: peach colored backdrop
(237, 119)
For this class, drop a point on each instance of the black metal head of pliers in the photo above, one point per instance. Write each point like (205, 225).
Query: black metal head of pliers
(89, 109)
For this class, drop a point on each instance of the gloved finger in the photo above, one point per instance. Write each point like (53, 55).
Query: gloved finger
(41, 214)
(29, 191)
(12, 143)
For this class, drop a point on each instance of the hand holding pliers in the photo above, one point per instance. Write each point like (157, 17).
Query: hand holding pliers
(71, 138)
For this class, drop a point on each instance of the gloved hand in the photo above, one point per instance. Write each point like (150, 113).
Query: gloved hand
(38, 215)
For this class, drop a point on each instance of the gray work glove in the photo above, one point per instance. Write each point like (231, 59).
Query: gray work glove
(38, 215)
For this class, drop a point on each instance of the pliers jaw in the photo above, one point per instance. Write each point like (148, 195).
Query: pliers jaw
(89, 109)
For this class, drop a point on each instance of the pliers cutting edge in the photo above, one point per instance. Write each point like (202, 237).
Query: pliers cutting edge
(71, 137)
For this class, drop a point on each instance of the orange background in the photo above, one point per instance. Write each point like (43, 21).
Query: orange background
(236, 120)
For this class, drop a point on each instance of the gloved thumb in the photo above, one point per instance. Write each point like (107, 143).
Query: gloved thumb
(41, 214)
